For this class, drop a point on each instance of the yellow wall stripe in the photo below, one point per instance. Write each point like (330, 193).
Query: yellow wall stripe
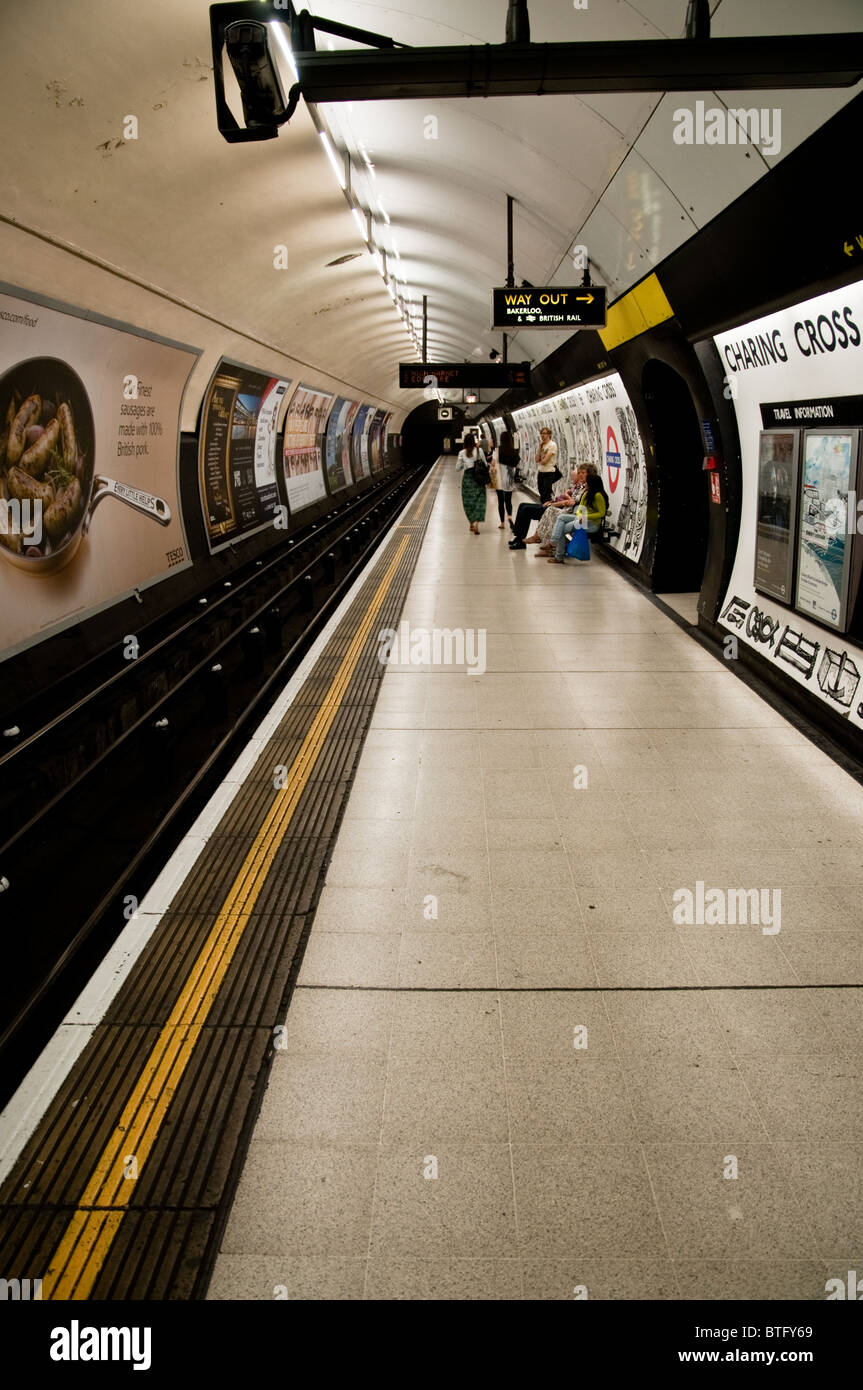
(84, 1246)
(643, 307)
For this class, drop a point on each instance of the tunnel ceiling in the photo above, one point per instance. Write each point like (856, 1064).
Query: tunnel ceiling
(181, 210)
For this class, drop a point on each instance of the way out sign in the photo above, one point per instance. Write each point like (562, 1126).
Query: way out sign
(549, 306)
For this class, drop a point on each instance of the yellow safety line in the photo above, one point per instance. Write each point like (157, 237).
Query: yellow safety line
(84, 1246)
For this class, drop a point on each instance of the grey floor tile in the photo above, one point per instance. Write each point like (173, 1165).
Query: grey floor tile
(302, 1199)
(679, 1025)
(809, 1097)
(542, 961)
(286, 1277)
(708, 1215)
(465, 1212)
(425, 1280)
(322, 1099)
(586, 1200)
(337, 1022)
(736, 956)
(593, 1278)
(843, 1011)
(360, 909)
(699, 1098)
(440, 959)
(827, 1183)
(638, 959)
(436, 902)
(828, 958)
(357, 959)
(458, 1025)
(750, 1281)
(556, 1026)
(765, 1023)
(554, 1102)
(434, 1100)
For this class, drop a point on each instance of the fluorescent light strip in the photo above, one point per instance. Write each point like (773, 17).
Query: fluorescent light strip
(361, 223)
(278, 32)
(332, 156)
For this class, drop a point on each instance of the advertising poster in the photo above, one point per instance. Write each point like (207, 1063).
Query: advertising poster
(777, 510)
(799, 371)
(359, 458)
(338, 450)
(829, 470)
(237, 452)
(594, 424)
(377, 436)
(365, 443)
(89, 418)
(304, 425)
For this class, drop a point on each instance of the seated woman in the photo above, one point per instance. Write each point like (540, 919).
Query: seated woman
(566, 503)
(589, 514)
(535, 511)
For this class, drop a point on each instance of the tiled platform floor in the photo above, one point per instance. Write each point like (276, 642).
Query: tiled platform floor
(421, 1044)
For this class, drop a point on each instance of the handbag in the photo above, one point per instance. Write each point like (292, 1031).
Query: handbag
(481, 473)
(578, 546)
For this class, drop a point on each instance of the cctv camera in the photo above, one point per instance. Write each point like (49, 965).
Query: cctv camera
(494, 355)
(260, 86)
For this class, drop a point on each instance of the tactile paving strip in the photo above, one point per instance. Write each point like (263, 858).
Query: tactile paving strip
(124, 1188)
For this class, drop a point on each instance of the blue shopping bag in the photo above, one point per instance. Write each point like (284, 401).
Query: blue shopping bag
(578, 545)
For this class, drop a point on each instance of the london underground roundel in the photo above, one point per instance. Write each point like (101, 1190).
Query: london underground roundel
(612, 459)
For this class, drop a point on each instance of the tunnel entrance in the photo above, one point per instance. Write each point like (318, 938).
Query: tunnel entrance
(423, 434)
(683, 512)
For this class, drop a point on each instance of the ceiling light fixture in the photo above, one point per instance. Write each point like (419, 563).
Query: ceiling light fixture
(278, 32)
(361, 223)
(337, 163)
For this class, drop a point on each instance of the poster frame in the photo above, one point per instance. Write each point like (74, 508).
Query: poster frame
(240, 537)
(321, 441)
(760, 586)
(62, 306)
(841, 623)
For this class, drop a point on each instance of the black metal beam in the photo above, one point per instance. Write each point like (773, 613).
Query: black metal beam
(782, 62)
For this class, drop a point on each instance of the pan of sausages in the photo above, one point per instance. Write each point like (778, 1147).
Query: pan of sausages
(47, 467)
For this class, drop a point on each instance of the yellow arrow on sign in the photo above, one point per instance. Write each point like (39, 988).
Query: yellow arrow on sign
(585, 298)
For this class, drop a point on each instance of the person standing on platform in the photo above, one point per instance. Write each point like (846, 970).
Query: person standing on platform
(505, 459)
(547, 471)
(472, 490)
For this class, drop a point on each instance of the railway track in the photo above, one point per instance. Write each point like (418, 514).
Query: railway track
(111, 767)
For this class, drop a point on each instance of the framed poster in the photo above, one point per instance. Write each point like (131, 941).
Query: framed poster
(90, 413)
(376, 437)
(778, 490)
(360, 459)
(303, 456)
(828, 471)
(237, 451)
(337, 447)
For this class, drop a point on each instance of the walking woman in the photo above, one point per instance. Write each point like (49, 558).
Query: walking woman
(472, 491)
(506, 459)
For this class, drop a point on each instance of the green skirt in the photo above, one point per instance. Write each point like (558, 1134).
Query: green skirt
(472, 497)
